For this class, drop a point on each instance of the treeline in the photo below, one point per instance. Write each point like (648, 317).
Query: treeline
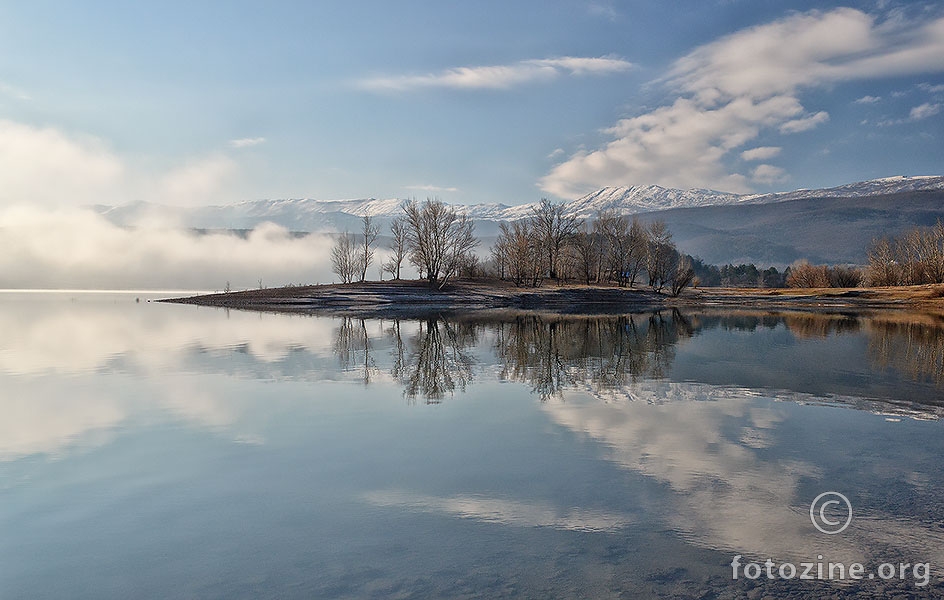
(612, 248)
(914, 258)
(440, 244)
(742, 275)
(550, 245)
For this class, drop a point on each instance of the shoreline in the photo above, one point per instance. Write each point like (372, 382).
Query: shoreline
(411, 297)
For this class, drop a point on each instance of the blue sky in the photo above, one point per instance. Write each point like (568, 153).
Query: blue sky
(217, 102)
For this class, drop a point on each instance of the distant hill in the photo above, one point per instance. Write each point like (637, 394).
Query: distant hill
(822, 230)
(827, 225)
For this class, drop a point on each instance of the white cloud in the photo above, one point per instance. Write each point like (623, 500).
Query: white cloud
(804, 124)
(498, 77)
(432, 188)
(761, 153)
(931, 89)
(732, 89)
(681, 145)
(555, 153)
(247, 142)
(44, 166)
(810, 49)
(924, 111)
(768, 174)
(868, 100)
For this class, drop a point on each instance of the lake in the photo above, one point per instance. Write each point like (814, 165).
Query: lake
(162, 451)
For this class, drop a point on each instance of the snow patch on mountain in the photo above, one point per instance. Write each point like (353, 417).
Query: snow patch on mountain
(306, 214)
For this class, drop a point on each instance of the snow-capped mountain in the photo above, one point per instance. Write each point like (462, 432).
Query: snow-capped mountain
(318, 215)
(650, 198)
(873, 187)
(636, 199)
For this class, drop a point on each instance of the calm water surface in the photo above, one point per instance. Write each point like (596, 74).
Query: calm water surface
(151, 451)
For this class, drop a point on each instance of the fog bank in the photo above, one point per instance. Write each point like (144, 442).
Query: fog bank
(79, 249)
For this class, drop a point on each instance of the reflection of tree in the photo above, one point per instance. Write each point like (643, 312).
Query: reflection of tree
(438, 361)
(806, 325)
(913, 347)
(352, 346)
(553, 353)
(911, 344)
(529, 350)
(435, 357)
(399, 352)
(813, 326)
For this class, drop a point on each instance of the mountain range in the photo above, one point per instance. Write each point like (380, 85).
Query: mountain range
(305, 214)
(824, 225)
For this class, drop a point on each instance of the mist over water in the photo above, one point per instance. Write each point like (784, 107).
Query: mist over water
(73, 248)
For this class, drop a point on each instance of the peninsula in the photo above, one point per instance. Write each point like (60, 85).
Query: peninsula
(411, 298)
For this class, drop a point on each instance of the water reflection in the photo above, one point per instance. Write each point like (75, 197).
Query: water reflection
(701, 432)
(895, 358)
(439, 361)
(557, 353)
(912, 347)
(889, 356)
(886, 362)
(352, 347)
(740, 485)
(435, 357)
(803, 325)
(503, 511)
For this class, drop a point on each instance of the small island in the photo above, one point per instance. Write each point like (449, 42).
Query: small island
(406, 298)
(554, 262)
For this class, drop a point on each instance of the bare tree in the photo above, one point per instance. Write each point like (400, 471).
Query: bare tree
(845, 276)
(615, 229)
(438, 239)
(638, 250)
(499, 255)
(552, 230)
(586, 252)
(398, 244)
(369, 233)
(883, 266)
(682, 276)
(914, 258)
(604, 249)
(805, 275)
(929, 253)
(345, 261)
(471, 267)
(521, 252)
(661, 255)
(624, 247)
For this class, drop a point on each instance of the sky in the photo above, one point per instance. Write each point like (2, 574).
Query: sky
(192, 103)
